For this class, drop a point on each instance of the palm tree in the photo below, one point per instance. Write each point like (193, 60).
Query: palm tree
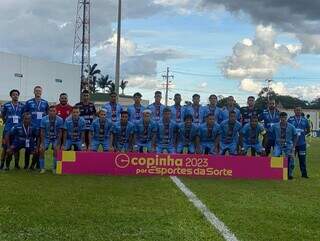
(92, 72)
(103, 82)
(111, 86)
(123, 85)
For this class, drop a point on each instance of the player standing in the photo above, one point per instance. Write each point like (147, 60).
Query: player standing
(196, 110)
(63, 108)
(135, 111)
(303, 128)
(231, 106)
(249, 111)
(177, 111)
(156, 107)
(88, 112)
(212, 108)
(286, 139)
(38, 108)
(113, 108)
(11, 116)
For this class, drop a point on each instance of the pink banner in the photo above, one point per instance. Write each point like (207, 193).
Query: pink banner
(126, 164)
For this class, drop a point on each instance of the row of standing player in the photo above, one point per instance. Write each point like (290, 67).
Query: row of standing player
(39, 107)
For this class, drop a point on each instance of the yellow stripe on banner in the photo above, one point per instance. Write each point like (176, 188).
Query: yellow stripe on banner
(59, 168)
(68, 156)
(285, 173)
(277, 162)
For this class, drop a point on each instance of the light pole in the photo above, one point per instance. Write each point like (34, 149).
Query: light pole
(269, 83)
(117, 74)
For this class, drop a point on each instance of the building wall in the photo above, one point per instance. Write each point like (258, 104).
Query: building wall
(54, 77)
(314, 116)
(124, 101)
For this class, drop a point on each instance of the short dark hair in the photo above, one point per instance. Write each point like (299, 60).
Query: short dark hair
(62, 94)
(14, 90)
(113, 93)
(176, 95)
(211, 96)
(75, 107)
(187, 116)
(254, 117)
(52, 107)
(36, 87)
(232, 112)
(138, 94)
(85, 92)
(166, 109)
(210, 114)
(196, 95)
(251, 97)
(283, 114)
(308, 115)
(157, 92)
(124, 112)
(25, 114)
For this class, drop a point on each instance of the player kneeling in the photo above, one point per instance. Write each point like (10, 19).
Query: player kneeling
(121, 138)
(230, 130)
(100, 132)
(285, 141)
(210, 135)
(145, 133)
(51, 132)
(249, 137)
(74, 127)
(166, 134)
(188, 136)
(23, 138)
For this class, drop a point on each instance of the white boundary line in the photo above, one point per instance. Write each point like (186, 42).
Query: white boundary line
(211, 217)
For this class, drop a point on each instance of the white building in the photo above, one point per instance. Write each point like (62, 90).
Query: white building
(23, 73)
(314, 116)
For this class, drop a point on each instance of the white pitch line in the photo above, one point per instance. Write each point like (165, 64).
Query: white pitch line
(211, 217)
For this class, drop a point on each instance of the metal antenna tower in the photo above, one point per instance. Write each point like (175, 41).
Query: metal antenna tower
(81, 47)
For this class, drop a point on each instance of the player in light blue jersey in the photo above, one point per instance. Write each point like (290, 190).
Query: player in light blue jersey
(188, 136)
(286, 139)
(50, 134)
(270, 117)
(145, 133)
(135, 111)
(212, 108)
(196, 110)
(24, 135)
(177, 111)
(156, 107)
(209, 133)
(230, 130)
(38, 108)
(113, 109)
(231, 106)
(11, 115)
(249, 137)
(74, 128)
(303, 128)
(122, 134)
(100, 132)
(167, 133)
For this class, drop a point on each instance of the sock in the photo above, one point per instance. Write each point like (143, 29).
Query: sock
(41, 163)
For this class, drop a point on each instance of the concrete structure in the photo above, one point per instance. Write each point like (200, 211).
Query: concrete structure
(100, 99)
(314, 116)
(23, 73)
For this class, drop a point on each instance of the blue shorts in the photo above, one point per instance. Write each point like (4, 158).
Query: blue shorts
(168, 149)
(231, 147)
(257, 147)
(76, 144)
(11, 137)
(18, 145)
(191, 149)
(208, 148)
(54, 144)
(95, 144)
(279, 150)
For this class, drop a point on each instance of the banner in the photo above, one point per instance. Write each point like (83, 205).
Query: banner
(141, 164)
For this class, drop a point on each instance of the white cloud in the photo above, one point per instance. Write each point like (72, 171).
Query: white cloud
(250, 85)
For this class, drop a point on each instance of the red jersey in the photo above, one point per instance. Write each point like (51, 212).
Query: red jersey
(63, 110)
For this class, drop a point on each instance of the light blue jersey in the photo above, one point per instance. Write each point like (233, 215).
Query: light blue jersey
(302, 126)
(177, 113)
(51, 127)
(230, 132)
(135, 113)
(250, 135)
(284, 135)
(214, 110)
(37, 109)
(11, 115)
(144, 132)
(122, 134)
(208, 134)
(197, 113)
(225, 113)
(74, 128)
(100, 129)
(113, 111)
(156, 111)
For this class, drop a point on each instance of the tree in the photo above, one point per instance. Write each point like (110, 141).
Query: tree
(223, 102)
(92, 73)
(315, 104)
(103, 82)
(123, 85)
(111, 86)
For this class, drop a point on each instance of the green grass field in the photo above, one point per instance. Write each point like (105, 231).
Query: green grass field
(50, 207)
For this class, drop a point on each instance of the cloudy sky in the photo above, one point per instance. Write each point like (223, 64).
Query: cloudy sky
(226, 47)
